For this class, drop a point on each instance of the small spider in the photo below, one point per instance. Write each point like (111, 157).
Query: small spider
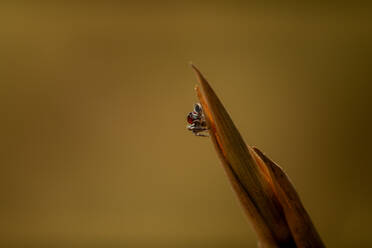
(196, 119)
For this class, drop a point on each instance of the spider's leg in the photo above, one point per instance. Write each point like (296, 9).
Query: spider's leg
(202, 135)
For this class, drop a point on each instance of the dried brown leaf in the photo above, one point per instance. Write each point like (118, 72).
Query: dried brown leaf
(252, 179)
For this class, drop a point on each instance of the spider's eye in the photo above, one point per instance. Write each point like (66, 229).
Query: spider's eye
(198, 108)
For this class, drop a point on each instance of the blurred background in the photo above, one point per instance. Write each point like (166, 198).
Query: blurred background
(93, 105)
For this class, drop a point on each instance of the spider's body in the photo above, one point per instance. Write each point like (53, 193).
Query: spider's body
(196, 120)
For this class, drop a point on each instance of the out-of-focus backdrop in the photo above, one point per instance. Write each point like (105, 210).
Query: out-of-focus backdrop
(93, 104)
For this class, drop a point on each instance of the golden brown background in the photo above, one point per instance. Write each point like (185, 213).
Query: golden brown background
(94, 150)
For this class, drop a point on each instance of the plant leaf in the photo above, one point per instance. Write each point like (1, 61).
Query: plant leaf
(302, 228)
(251, 178)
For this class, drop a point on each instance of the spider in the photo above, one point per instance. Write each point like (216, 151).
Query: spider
(196, 119)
